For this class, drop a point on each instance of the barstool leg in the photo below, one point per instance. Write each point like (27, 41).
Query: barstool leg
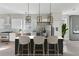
(28, 49)
(18, 48)
(34, 50)
(43, 50)
(54, 49)
(57, 49)
(22, 50)
(48, 49)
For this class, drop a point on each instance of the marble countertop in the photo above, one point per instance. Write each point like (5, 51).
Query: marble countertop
(32, 37)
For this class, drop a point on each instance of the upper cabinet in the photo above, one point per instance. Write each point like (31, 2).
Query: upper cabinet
(7, 23)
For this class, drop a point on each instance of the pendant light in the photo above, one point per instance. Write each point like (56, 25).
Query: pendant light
(39, 18)
(28, 17)
(50, 17)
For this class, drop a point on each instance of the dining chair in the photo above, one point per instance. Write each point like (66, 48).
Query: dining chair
(52, 40)
(38, 40)
(23, 40)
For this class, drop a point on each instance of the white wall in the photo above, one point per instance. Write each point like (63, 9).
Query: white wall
(58, 21)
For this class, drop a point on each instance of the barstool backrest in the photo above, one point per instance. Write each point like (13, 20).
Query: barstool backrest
(52, 40)
(39, 40)
(24, 40)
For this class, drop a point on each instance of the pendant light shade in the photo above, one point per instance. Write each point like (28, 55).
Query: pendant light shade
(39, 18)
(50, 18)
(28, 17)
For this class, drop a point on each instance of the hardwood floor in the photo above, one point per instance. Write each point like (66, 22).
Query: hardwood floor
(71, 48)
(7, 49)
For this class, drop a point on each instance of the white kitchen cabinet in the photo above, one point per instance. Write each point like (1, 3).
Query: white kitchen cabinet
(12, 36)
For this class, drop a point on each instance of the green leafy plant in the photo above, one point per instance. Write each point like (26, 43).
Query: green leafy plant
(64, 29)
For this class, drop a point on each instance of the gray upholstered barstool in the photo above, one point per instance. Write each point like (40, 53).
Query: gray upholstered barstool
(38, 40)
(23, 40)
(53, 40)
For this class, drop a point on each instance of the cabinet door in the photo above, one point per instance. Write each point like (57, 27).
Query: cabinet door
(12, 36)
(2, 23)
(16, 23)
(7, 24)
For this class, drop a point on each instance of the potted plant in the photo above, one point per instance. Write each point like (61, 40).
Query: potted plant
(64, 29)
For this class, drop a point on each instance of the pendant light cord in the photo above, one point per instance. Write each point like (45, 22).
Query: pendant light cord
(28, 9)
(50, 9)
(39, 9)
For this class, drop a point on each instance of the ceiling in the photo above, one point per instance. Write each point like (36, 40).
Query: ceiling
(21, 8)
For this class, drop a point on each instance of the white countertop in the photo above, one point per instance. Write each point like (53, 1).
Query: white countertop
(59, 37)
(32, 37)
